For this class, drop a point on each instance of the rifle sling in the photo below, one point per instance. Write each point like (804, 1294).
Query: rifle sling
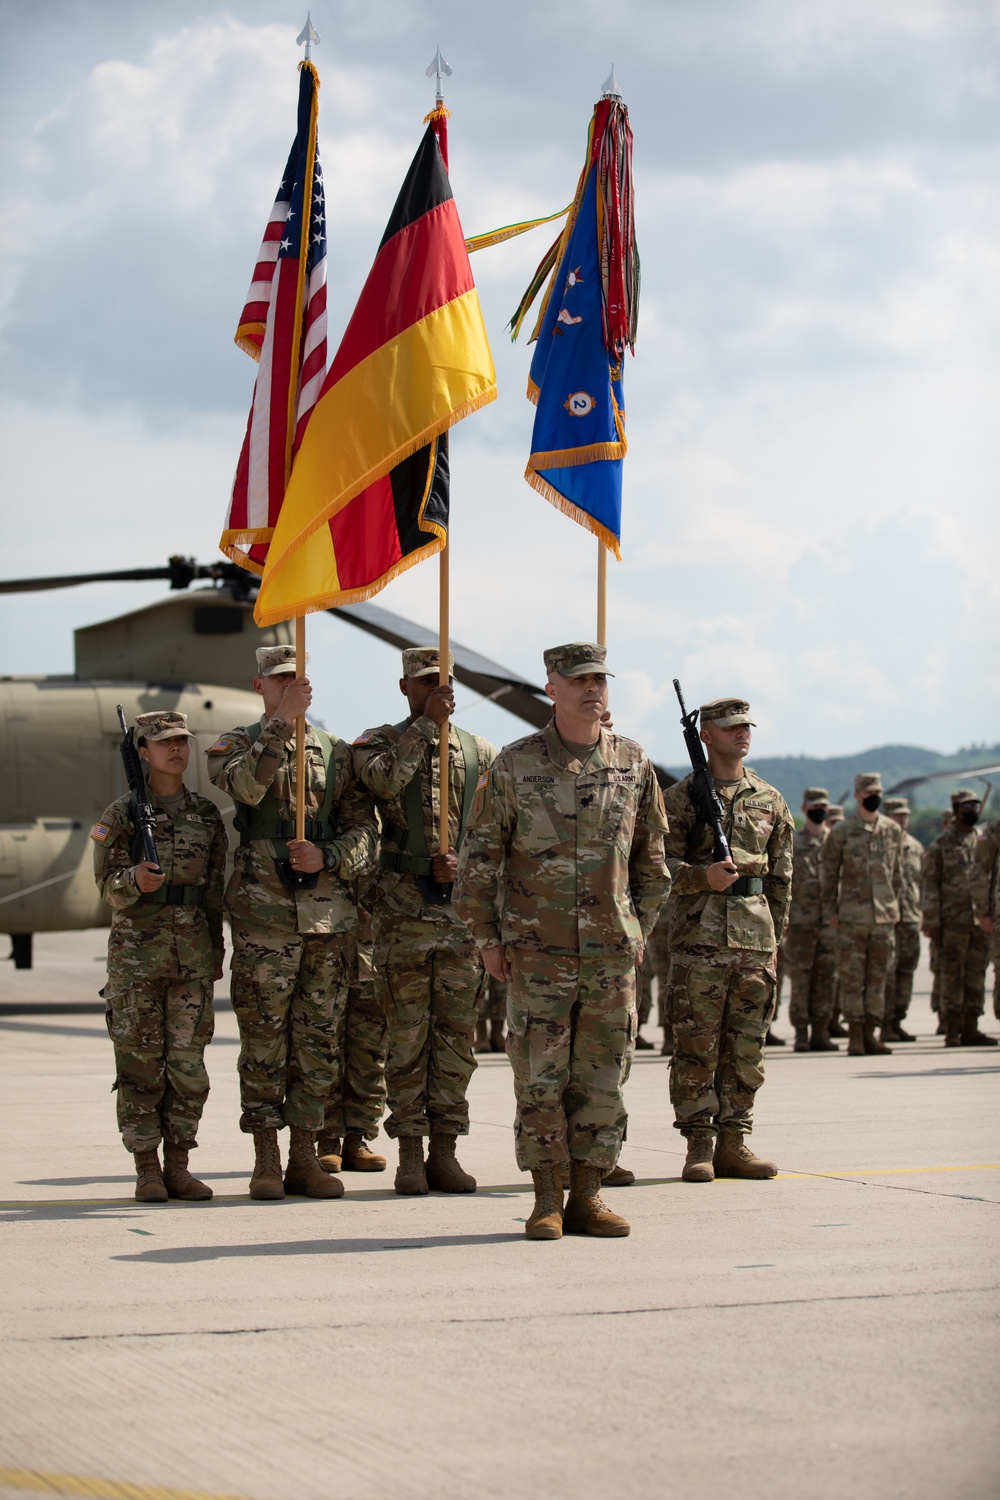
(264, 821)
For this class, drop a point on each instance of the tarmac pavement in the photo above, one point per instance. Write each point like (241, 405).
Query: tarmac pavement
(830, 1333)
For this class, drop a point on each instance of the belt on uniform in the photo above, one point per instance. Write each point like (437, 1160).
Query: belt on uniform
(747, 885)
(405, 864)
(176, 895)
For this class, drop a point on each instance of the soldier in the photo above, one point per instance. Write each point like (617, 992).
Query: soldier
(949, 919)
(986, 899)
(899, 980)
(355, 1103)
(164, 954)
(294, 921)
(492, 1014)
(560, 880)
(835, 815)
(727, 922)
(861, 882)
(658, 956)
(644, 999)
(429, 974)
(809, 946)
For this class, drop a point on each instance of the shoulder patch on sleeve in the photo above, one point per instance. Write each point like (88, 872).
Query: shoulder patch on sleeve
(100, 832)
(483, 781)
(362, 739)
(223, 743)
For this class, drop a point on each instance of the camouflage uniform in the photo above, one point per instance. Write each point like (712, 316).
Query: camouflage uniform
(293, 949)
(563, 866)
(163, 954)
(722, 949)
(947, 904)
(986, 897)
(429, 974)
(809, 946)
(899, 980)
(861, 882)
(357, 1098)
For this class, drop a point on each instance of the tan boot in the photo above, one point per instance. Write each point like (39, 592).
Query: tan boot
(584, 1212)
(820, 1040)
(618, 1176)
(952, 1024)
(482, 1041)
(873, 1047)
(410, 1175)
(700, 1151)
(973, 1037)
(266, 1184)
(443, 1170)
(178, 1180)
(357, 1156)
(733, 1158)
(497, 1043)
(545, 1221)
(304, 1175)
(801, 1039)
(328, 1152)
(149, 1187)
(856, 1039)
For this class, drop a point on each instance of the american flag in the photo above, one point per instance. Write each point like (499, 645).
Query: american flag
(283, 326)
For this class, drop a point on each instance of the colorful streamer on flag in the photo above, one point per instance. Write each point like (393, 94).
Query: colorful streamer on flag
(283, 326)
(368, 495)
(586, 322)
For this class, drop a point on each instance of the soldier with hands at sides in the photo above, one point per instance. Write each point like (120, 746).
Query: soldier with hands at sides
(861, 877)
(164, 954)
(899, 980)
(560, 879)
(950, 920)
(429, 975)
(294, 921)
(809, 945)
(727, 919)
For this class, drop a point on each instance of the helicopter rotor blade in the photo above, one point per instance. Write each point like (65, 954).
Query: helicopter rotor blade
(70, 580)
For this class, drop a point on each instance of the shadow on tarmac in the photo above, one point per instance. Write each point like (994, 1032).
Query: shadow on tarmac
(100, 1031)
(929, 1073)
(185, 1254)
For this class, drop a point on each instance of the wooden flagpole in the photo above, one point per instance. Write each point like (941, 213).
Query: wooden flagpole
(300, 733)
(444, 677)
(602, 593)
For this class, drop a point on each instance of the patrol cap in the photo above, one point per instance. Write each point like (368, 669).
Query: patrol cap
(577, 659)
(895, 805)
(162, 726)
(273, 660)
(867, 781)
(726, 712)
(835, 813)
(964, 794)
(425, 661)
(815, 796)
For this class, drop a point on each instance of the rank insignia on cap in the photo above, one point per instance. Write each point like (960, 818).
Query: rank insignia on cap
(483, 781)
(220, 744)
(362, 739)
(100, 832)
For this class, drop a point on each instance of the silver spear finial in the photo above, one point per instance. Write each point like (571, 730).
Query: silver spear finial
(308, 35)
(610, 89)
(435, 70)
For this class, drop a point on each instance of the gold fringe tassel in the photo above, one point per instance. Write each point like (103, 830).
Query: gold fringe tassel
(581, 517)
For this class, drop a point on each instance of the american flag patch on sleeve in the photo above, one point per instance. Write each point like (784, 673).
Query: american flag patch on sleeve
(100, 832)
(221, 744)
(362, 739)
(483, 781)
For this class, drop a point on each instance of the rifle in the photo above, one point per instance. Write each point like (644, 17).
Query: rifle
(143, 816)
(706, 799)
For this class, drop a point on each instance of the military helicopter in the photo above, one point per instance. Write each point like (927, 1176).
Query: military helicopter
(59, 761)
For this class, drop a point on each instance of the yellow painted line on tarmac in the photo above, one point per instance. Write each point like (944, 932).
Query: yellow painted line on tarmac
(98, 1489)
(979, 1166)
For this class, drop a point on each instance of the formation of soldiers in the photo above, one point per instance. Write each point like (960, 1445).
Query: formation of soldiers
(368, 967)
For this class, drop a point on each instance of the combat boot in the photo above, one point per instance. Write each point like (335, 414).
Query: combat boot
(835, 1028)
(545, 1222)
(952, 1026)
(178, 1180)
(357, 1156)
(410, 1174)
(482, 1041)
(801, 1039)
(642, 1043)
(973, 1037)
(149, 1187)
(873, 1047)
(618, 1176)
(773, 1041)
(889, 1032)
(304, 1175)
(497, 1043)
(856, 1034)
(584, 1212)
(443, 1171)
(901, 1035)
(266, 1184)
(820, 1040)
(733, 1158)
(328, 1152)
(700, 1151)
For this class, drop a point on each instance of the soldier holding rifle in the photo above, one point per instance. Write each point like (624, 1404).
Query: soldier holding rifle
(729, 851)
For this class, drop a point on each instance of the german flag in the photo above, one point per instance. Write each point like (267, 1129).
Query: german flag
(368, 493)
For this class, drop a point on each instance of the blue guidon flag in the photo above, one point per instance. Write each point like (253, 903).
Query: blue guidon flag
(587, 320)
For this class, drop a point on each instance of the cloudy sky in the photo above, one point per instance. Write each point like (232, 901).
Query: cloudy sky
(810, 512)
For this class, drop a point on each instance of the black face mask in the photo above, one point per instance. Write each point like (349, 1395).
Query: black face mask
(969, 816)
(872, 802)
(816, 814)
